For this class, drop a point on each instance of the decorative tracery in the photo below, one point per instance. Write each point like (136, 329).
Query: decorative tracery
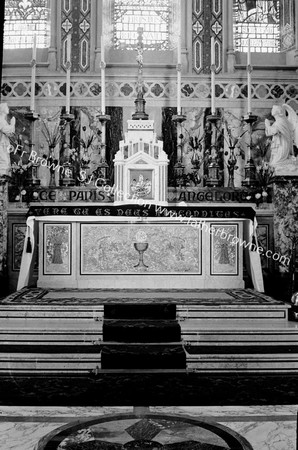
(23, 19)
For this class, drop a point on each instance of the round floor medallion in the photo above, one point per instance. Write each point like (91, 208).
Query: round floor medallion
(150, 431)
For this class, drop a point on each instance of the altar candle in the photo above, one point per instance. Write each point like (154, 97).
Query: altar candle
(212, 51)
(68, 67)
(248, 78)
(212, 76)
(33, 74)
(103, 78)
(179, 76)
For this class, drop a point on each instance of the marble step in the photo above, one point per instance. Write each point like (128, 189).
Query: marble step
(244, 312)
(51, 312)
(243, 363)
(276, 311)
(39, 363)
(216, 332)
(141, 330)
(139, 312)
(224, 332)
(143, 356)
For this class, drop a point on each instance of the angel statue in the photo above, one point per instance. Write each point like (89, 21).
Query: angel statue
(284, 132)
(6, 130)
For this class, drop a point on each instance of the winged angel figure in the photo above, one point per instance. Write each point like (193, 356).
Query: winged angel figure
(284, 132)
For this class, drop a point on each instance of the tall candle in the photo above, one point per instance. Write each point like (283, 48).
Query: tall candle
(212, 76)
(68, 67)
(179, 50)
(212, 51)
(33, 74)
(248, 78)
(103, 77)
(248, 52)
(179, 76)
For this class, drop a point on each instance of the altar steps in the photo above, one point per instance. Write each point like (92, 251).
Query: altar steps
(189, 333)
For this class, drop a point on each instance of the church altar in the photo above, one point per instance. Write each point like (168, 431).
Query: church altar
(128, 246)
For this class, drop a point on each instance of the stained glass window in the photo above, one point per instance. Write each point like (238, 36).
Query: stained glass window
(269, 24)
(23, 19)
(153, 17)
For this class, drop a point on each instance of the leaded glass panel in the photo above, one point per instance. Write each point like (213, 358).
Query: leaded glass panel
(22, 20)
(259, 21)
(153, 17)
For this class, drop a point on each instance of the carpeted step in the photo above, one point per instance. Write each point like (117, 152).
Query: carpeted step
(141, 311)
(141, 331)
(161, 356)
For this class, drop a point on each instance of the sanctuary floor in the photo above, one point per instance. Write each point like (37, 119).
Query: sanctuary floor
(265, 428)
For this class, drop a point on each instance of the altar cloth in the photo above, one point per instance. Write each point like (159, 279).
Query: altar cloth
(181, 260)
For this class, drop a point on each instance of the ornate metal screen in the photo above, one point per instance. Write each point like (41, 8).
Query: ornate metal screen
(22, 20)
(153, 16)
(269, 24)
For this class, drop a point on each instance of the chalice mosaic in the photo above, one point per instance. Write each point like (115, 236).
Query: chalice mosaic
(141, 246)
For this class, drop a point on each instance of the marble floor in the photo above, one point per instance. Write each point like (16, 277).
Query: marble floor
(264, 427)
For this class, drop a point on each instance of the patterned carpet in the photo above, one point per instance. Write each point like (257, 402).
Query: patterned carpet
(204, 297)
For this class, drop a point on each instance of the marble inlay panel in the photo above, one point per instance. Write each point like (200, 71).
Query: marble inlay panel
(147, 248)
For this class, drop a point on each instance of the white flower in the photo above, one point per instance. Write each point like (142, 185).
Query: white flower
(35, 194)
(248, 197)
(264, 194)
(257, 196)
(17, 198)
(23, 192)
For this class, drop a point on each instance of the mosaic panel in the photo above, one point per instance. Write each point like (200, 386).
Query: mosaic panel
(57, 249)
(224, 252)
(150, 432)
(207, 13)
(133, 248)
(75, 21)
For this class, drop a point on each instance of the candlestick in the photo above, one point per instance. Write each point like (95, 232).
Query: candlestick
(33, 74)
(212, 76)
(68, 67)
(249, 70)
(103, 78)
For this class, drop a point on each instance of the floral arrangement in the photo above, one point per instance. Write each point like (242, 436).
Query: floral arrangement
(264, 174)
(52, 134)
(19, 178)
(86, 141)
